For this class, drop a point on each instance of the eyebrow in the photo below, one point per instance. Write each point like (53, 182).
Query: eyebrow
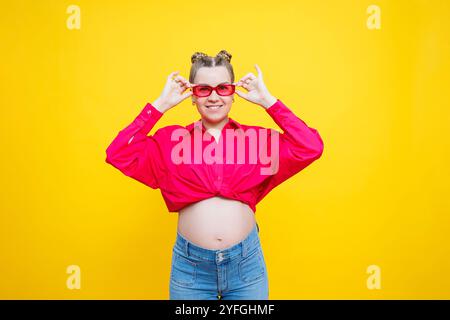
(205, 84)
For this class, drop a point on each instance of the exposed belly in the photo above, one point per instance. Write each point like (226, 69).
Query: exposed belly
(216, 223)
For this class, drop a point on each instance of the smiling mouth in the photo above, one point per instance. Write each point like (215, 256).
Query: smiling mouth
(214, 107)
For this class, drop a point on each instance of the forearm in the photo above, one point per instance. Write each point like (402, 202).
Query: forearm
(295, 130)
(133, 152)
(128, 139)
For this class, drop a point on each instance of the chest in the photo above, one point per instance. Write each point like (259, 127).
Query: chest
(215, 133)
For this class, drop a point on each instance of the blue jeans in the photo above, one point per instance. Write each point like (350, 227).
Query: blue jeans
(234, 273)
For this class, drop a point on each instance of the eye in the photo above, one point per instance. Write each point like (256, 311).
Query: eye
(204, 89)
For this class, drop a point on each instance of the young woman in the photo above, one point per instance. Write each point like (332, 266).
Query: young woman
(207, 172)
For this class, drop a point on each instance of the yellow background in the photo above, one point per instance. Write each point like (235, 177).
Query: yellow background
(379, 99)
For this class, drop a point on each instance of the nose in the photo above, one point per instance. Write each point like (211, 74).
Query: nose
(213, 96)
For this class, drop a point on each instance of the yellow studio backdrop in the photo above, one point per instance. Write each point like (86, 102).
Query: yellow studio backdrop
(371, 76)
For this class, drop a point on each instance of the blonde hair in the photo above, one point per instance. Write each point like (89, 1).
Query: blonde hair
(200, 59)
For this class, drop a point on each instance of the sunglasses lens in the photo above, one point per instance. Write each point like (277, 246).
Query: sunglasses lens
(225, 89)
(222, 90)
(202, 91)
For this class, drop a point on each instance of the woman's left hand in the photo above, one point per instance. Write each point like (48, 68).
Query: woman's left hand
(257, 90)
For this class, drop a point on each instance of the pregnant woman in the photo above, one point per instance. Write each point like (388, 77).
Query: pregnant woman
(213, 172)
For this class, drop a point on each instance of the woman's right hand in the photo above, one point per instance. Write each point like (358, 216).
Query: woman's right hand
(173, 92)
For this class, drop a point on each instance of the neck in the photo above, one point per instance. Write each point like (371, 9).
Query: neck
(218, 126)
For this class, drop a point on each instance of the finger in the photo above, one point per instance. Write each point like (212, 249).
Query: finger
(247, 81)
(249, 78)
(243, 82)
(186, 86)
(180, 80)
(172, 74)
(246, 86)
(186, 83)
(241, 94)
(186, 95)
(248, 75)
(259, 70)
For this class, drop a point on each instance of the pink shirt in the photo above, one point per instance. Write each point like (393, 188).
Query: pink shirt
(155, 160)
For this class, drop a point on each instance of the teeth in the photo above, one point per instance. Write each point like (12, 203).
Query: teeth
(214, 107)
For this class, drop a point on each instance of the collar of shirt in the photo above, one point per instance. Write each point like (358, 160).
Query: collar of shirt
(198, 124)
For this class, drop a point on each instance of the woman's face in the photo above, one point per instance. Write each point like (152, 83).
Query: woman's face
(213, 76)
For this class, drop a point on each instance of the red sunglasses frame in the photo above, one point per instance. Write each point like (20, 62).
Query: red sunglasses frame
(233, 86)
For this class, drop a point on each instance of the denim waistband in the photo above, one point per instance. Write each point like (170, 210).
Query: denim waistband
(219, 255)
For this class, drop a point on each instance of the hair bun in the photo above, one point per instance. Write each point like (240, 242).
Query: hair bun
(198, 56)
(224, 55)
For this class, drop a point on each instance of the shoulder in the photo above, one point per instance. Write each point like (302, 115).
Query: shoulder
(164, 133)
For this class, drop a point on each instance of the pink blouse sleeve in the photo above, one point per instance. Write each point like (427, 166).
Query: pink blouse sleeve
(136, 154)
(299, 146)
